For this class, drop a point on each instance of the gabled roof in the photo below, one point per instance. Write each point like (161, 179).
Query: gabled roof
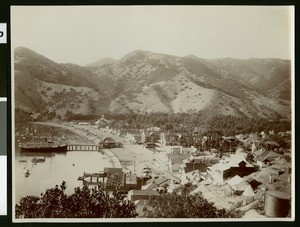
(259, 152)
(248, 191)
(262, 158)
(241, 186)
(109, 140)
(235, 180)
(262, 176)
(176, 167)
(232, 161)
(270, 154)
(238, 183)
(161, 180)
(219, 167)
(235, 160)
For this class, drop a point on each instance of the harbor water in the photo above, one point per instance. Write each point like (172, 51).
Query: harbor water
(46, 170)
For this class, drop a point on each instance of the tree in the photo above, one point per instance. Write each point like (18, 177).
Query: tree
(83, 203)
(185, 206)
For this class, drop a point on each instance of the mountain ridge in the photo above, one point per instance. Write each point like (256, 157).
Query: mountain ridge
(145, 82)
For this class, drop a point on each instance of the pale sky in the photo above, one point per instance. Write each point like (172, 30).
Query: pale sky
(82, 35)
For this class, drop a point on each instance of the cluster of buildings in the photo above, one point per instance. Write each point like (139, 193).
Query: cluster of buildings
(253, 167)
(250, 165)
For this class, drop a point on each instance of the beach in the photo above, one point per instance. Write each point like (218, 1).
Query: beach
(131, 157)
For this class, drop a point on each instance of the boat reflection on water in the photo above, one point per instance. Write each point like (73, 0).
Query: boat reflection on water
(37, 154)
(27, 173)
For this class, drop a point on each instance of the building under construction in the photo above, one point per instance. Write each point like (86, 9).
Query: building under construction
(112, 178)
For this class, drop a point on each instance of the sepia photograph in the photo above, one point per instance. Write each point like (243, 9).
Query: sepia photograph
(152, 113)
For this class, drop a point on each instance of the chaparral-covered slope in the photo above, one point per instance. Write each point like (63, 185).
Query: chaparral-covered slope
(145, 82)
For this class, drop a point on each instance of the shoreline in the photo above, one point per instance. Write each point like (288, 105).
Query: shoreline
(79, 131)
(131, 158)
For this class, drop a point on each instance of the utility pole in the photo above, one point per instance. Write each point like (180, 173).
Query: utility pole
(134, 167)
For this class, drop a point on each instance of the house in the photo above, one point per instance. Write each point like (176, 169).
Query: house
(271, 145)
(253, 182)
(240, 151)
(268, 175)
(239, 185)
(193, 177)
(230, 167)
(286, 165)
(170, 161)
(229, 142)
(267, 156)
(150, 139)
(171, 139)
(173, 149)
(199, 163)
(150, 145)
(102, 123)
(263, 161)
(255, 146)
(258, 153)
(175, 161)
(109, 143)
(131, 181)
(162, 181)
(134, 137)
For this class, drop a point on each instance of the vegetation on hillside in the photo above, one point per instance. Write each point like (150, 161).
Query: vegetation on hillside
(185, 206)
(199, 123)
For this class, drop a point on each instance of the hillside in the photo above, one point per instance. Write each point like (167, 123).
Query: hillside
(44, 86)
(145, 82)
(259, 74)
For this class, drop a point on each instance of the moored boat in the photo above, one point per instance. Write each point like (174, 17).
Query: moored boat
(43, 147)
(38, 147)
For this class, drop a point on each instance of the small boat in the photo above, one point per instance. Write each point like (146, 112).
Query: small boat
(22, 160)
(38, 160)
(27, 173)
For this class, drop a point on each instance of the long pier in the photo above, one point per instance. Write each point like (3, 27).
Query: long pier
(85, 147)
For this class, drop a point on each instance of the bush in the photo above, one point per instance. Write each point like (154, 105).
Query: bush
(83, 203)
(185, 206)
